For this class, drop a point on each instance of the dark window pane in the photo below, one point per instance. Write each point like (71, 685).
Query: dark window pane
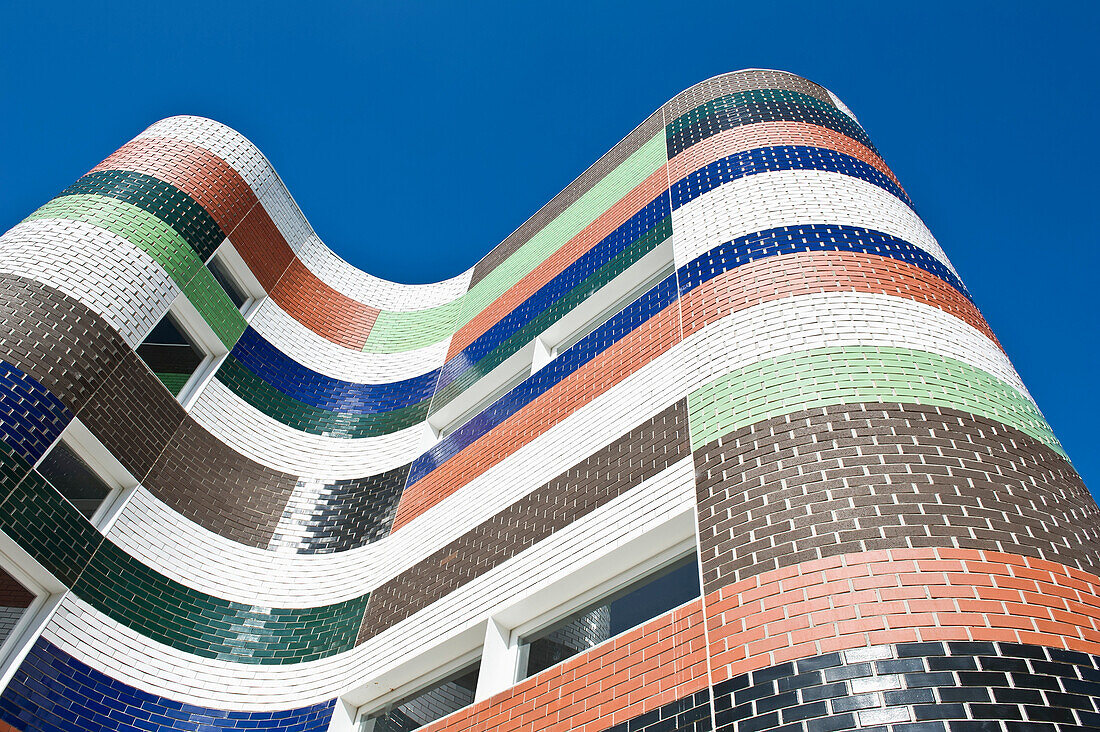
(644, 600)
(430, 704)
(14, 601)
(170, 354)
(225, 279)
(74, 479)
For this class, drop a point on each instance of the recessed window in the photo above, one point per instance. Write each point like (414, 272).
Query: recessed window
(15, 599)
(225, 277)
(486, 401)
(171, 354)
(427, 705)
(614, 308)
(73, 478)
(648, 598)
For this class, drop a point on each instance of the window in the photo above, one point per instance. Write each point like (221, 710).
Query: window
(171, 355)
(15, 600)
(648, 598)
(225, 277)
(73, 478)
(427, 705)
(614, 309)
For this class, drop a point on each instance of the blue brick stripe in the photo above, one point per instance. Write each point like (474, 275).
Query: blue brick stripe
(809, 238)
(650, 215)
(31, 418)
(53, 692)
(324, 392)
(775, 158)
(657, 299)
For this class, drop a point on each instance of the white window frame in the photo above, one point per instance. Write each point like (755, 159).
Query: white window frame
(496, 636)
(601, 306)
(241, 275)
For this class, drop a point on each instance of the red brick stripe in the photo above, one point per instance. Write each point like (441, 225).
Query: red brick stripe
(766, 134)
(553, 265)
(774, 278)
(629, 675)
(900, 596)
(634, 351)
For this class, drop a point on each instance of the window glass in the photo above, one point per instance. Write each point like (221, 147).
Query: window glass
(427, 705)
(14, 601)
(74, 479)
(170, 354)
(644, 600)
(225, 278)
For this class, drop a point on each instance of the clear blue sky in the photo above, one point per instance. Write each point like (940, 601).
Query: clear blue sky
(415, 136)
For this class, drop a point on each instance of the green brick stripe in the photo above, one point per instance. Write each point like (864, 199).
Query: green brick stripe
(827, 376)
(393, 332)
(48, 527)
(159, 608)
(161, 242)
(121, 587)
(308, 418)
(561, 307)
(762, 96)
(168, 203)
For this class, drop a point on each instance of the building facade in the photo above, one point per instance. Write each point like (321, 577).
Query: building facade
(716, 440)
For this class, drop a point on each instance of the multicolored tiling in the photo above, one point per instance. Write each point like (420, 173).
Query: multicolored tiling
(890, 535)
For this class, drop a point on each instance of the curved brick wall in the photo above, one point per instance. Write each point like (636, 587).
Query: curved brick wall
(890, 534)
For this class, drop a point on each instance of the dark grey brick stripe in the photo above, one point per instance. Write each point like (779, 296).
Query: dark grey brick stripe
(610, 160)
(918, 687)
(861, 477)
(606, 474)
(57, 340)
(740, 81)
(685, 101)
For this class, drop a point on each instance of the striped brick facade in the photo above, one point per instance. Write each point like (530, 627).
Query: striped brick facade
(368, 479)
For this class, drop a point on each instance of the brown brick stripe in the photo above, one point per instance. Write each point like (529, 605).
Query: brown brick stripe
(804, 273)
(635, 350)
(604, 475)
(899, 596)
(56, 340)
(858, 477)
(73, 352)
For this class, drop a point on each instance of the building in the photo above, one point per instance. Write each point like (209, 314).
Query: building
(716, 438)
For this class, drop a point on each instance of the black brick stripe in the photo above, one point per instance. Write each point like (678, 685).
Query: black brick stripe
(862, 477)
(917, 687)
(606, 474)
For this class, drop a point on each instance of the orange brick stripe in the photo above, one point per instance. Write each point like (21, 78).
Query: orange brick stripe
(220, 189)
(765, 134)
(322, 309)
(619, 361)
(595, 232)
(634, 673)
(774, 278)
(208, 179)
(900, 596)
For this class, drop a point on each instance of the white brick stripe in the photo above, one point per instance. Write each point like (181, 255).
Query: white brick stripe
(129, 657)
(789, 198)
(101, 269)
(276, 445)
(325, 357)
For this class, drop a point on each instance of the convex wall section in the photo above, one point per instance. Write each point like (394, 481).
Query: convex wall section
(732, 336)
